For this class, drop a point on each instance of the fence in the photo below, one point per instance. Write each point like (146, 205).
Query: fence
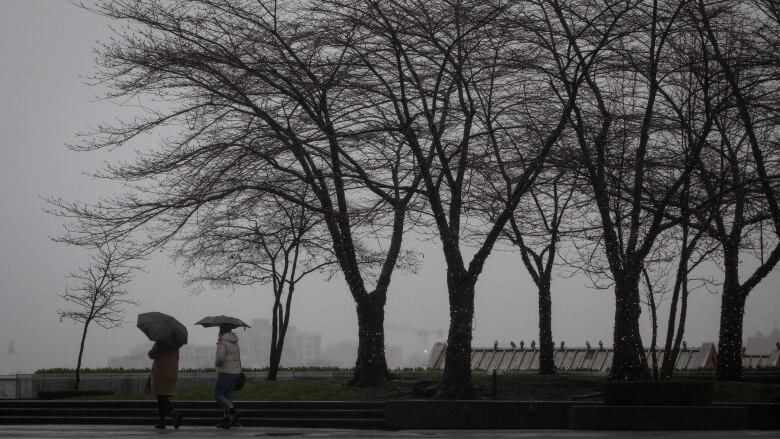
(28, 386)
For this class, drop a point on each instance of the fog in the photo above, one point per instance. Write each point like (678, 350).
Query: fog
(45, 49)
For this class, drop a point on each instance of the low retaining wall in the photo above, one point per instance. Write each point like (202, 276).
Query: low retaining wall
(608, 417)
(409, 415)
(420, 414)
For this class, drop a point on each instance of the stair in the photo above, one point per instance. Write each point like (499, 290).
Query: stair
(303, 414)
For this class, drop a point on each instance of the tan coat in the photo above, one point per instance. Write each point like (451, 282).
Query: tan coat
(165, 371)
(232, 363)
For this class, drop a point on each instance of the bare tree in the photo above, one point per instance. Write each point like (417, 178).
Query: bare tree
(259, 99)
(669, 271)
(98, 294)
(634, 161)
(269, 242)
(457, 81)
(537, 228)
(742, 38)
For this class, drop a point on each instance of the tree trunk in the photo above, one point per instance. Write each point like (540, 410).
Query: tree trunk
(654, 338)
(273, 365)
(456, 378)
(275, 353)
(672, 348)
(81, 354)
(629, 361)
(371, 365)
(546, 347)
(731, 314)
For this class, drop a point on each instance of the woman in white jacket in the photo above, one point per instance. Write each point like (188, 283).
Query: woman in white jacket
(228, 364)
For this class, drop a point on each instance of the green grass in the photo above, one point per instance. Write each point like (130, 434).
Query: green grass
(511, 386)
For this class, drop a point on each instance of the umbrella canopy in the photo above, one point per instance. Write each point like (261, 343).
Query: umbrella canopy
(210, 321)
(162, 328)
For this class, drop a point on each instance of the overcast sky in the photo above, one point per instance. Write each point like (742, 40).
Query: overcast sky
(45, 48)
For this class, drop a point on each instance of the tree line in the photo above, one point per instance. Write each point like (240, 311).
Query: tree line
(631, 140)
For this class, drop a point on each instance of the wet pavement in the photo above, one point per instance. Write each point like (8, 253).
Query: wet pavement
(128, 432)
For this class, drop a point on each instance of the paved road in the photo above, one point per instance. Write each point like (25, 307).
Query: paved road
(132, 432)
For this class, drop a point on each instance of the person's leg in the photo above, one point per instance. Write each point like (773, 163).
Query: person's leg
(175, 414)
(221, 392)
(163, 408)
(232, 412)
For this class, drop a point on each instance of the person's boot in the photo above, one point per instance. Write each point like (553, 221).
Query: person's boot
(234, 417)
(177, 417)
(225, 423)
(160, 425)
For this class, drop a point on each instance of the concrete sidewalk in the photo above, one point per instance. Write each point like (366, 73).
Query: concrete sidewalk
(130, 432)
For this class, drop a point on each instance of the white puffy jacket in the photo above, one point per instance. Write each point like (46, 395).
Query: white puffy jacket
(232, 363)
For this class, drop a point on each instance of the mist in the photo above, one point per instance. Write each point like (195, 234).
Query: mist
(46, 50)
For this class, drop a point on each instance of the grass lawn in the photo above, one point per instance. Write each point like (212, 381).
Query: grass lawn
(512, 386)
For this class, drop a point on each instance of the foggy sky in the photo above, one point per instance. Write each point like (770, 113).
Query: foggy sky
(45, 46)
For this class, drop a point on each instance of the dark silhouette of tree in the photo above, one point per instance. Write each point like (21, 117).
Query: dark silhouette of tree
(98, 294)
(249, 99)
(270, 242)
(462, 89)
(537, 227)
(741, 38)
(634, 162)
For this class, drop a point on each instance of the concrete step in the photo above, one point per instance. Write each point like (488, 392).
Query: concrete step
(76, 403)
(313, 414)
(212, 413)
(150, 420)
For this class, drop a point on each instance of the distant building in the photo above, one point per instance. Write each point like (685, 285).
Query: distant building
(14, 361)
(344, 354)
(760, 344)
(300, 349)
(136, 359)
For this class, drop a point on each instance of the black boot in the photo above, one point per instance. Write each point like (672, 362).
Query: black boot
(234, 417)
(160, 425)
(225, 423)
(177, 417)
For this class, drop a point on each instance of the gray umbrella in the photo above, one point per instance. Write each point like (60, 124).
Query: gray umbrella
(162, 328)
(210, 321)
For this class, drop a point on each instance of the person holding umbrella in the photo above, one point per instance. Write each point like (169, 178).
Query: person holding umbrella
(228, 366)
(168, 335)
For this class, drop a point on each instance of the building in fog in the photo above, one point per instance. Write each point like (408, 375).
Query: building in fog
(300, 349)
(344, 354)
(14, 361)
(762, 344)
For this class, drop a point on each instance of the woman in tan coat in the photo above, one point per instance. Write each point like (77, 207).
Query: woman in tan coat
(162, 382)
(228, 365)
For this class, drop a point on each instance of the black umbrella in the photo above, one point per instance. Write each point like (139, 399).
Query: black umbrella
(162, 328)
(210, 321)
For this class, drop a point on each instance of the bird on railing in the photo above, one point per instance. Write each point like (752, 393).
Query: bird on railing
(685, 345)
(587, 345)
(601, 345)
(495, 345)
(522, 345)
(533, 345)
(512, 343)
(563, 345)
